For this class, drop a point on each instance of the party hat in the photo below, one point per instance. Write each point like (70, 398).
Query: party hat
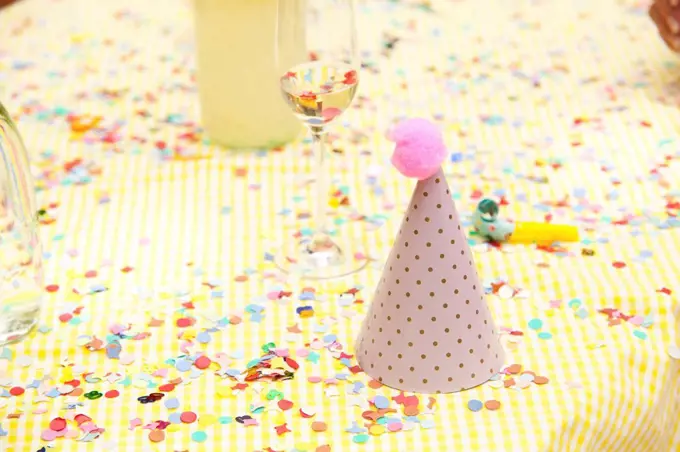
(428, 328)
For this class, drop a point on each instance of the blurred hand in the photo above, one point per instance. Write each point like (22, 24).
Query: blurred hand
(666, 15)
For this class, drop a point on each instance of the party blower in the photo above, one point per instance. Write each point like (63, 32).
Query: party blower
(488, 225)
(428, 328)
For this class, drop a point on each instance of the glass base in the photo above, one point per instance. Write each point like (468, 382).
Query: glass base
(318, 258)
(13, 327)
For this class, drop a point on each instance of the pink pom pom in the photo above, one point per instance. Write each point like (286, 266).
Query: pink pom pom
(420, 149)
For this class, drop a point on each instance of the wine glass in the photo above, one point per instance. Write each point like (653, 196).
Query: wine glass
(317, 57)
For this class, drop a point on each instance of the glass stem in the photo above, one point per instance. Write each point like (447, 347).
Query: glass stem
(320, 168)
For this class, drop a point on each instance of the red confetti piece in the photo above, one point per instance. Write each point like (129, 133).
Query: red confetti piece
(52, 288)
(188, 417)
(618, 264)
(82, 418)
(65, 317)
(16, 391)
(202, 362)
(58, 424)
(282, 429)
(184, 322)
(285, 404)
(110, 395)
(665, 290)
(126, 269)
(91, 274)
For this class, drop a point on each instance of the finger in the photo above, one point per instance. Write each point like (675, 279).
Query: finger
(662, 24)
(669, 14)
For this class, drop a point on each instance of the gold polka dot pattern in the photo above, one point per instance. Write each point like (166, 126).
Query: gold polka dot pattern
(428, 328)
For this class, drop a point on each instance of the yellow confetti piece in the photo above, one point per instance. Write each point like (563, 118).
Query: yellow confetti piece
(172, 428)
(376, 430)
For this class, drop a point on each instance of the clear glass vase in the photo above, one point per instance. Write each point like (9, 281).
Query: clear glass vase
(21, 277)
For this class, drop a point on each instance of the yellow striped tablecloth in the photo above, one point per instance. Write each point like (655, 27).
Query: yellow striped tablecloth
(567, 110)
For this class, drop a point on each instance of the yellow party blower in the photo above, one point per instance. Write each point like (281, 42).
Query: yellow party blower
(488, 225)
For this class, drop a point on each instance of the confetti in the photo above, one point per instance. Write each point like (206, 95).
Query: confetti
(673, 352)
(475, 405)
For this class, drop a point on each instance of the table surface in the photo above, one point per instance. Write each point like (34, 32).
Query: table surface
(567, 110)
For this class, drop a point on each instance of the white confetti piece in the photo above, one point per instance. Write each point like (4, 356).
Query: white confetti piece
(126, 358)
(23, 360)
(505, 292)
(674, 352)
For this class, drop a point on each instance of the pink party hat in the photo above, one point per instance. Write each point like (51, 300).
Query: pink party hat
(428, 328)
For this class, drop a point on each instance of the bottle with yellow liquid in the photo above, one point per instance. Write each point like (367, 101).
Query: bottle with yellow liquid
(241, 102)
(21, 278)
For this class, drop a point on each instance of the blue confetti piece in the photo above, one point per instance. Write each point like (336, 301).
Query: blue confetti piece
(113, 350)
(268, 257)
(456, 157)
(413, 419)
(535, 324)
(233, 372)
(174, 418)
(53, 393)
(640, 334)
(320, 328)
(203, 337)
(217, 293)
(341, 376)
(475, 405)
(224, 420)
(427, 423)
(574, 303)
(5, 393)
(346, 362)
(171, 404)
(97, 288)
(582, 313)
(236, 354)
(526, 377)
(183, 365)
(254, 308)
(646, 253)
(381, 402)
(360, 439)
(544, 335)
(355, 428)
(35, 384)
(330, 338)
(313, 357)
(306, 232)
(256, 318)
(493, 120)
(3, 432)
(6, 354)
(579, 192)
